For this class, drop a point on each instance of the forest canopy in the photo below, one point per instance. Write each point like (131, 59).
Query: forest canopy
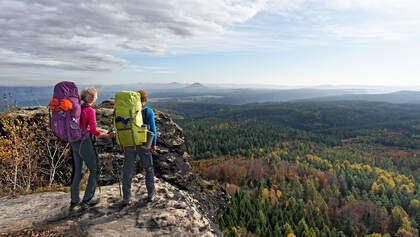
(310, 168)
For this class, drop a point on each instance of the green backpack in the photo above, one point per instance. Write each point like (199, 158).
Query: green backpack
(128, 119)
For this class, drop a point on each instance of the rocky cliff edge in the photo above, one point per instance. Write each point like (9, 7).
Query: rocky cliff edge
(185, 205)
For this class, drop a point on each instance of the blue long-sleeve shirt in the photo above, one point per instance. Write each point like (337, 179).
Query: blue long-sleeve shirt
(150, 119)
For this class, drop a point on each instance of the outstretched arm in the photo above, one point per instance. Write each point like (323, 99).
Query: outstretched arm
(92, 126)
(152, 127)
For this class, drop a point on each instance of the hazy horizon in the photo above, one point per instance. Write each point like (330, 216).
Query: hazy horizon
(369, 88)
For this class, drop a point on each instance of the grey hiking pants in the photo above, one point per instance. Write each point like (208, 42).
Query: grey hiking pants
(130, 162)
(83, 150)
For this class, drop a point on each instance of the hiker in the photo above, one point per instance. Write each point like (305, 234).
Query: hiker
(83, 150)
(145, 153)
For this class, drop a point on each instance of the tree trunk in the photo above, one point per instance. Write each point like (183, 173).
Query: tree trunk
(16, 164)
(15, 178)
(29, 180)
(52, 174)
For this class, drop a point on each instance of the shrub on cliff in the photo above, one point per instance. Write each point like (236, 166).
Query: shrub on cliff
(30, 155)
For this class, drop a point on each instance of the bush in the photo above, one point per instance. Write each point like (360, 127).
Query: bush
(31, 157)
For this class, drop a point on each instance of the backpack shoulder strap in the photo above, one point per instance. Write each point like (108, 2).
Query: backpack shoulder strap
(145, 115)
(93, 138)
(84, 105)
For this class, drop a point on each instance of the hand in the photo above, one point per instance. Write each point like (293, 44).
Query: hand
(153, 148)
(111, 134)
(103, 135)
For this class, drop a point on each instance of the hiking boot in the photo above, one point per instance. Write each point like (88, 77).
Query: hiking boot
(151, 197)
(92, 202)
(73, 205)
(126, 202)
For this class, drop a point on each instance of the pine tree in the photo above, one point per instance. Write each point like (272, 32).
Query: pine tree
(348, 229)
(325, 232)
(277, 231)
(287, 229)
(302, 228)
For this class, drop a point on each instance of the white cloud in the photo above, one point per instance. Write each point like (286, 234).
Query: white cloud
(354, 20)
(84, 34)
(394, 7)
(88, 35)
(398, 30)
(147, 69)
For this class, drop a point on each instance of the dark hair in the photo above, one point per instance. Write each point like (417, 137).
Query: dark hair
(143, 95)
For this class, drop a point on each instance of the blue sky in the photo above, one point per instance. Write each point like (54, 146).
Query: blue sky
(291, 43)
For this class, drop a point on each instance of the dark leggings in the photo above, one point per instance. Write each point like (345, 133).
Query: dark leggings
(129, 165)
(83, 150)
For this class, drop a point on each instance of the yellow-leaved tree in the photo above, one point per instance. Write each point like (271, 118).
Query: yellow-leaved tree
(30, 155)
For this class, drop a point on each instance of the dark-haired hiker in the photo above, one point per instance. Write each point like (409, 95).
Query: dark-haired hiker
(83, 150)
(145, 154)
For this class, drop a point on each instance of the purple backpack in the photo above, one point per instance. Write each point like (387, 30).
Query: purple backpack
(65, 111)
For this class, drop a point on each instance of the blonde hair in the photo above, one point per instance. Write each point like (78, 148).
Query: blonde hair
(143, 95)
(89, 94)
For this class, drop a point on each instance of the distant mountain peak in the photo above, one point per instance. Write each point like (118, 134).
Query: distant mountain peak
(196, 85)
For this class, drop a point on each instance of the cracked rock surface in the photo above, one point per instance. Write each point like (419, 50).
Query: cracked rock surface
(173, 212)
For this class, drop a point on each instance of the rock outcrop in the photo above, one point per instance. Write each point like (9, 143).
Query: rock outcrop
(174, 212)
(185, 204)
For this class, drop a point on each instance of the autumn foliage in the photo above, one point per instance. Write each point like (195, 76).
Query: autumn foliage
(31, 157)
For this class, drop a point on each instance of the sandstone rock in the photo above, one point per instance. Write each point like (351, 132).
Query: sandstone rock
(174, 212)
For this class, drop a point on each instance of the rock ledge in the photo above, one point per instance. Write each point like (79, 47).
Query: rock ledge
(185, 204)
